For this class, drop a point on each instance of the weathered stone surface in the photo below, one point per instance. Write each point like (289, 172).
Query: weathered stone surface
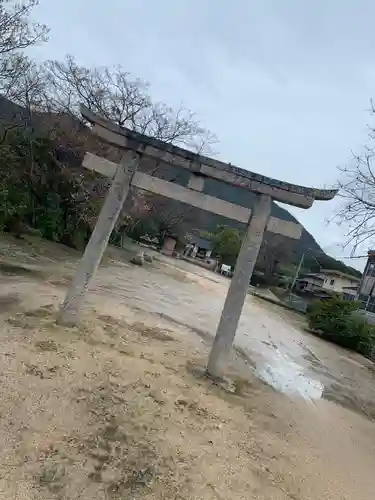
(138, 259)
(96, 246)
(191, 197)
(147, 257)
(239, 285)
(168, 153)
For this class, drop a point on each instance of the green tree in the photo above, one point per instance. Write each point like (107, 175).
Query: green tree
(227, 244)
(43, 193)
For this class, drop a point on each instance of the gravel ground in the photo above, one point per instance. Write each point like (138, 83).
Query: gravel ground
(118, 407)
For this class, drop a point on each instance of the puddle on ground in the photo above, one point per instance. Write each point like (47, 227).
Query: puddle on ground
(287, 376)
(280, 371)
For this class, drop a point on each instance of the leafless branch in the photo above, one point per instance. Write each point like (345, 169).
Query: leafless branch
(17, 33)
(16, 30)
(357, 192)
(112, 93)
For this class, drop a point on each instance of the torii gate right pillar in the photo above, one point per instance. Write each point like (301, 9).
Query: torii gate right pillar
(239, 285)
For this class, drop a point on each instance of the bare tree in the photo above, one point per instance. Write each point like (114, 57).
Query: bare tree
(17, 32)
(112, 93)
(357, 192)
(168, 215)
(32, 88)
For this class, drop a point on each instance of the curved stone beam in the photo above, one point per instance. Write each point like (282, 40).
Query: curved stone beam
(291, 194)
(191, 197)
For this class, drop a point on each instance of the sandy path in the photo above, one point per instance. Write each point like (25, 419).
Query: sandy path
(115, 409)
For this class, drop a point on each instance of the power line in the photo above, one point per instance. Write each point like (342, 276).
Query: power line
(339, 258)
(353, 257)
(321, 252)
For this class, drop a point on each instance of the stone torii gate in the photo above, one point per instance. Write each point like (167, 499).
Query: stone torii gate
(137, 148)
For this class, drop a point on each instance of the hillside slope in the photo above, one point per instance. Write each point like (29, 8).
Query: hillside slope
(76, 139)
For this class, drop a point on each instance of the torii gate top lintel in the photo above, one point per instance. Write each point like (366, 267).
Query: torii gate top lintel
(291, 194)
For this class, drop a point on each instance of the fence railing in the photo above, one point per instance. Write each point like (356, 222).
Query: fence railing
(295, 302)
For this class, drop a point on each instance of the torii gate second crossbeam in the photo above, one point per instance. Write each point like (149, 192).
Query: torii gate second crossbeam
(136, 147)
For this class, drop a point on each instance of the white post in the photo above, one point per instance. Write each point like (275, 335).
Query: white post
(97, 244)
(238, 288)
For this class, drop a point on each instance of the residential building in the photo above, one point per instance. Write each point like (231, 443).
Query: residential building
(328, 281)
(198, 246)
(309, 283)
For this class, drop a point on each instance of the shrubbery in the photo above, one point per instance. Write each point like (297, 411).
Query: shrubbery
(38, 191)
(226, 244)
(337, 320)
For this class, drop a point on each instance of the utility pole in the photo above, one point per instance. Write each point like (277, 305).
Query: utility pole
(297, 272)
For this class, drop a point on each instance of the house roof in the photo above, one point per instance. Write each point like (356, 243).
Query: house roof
(202, 242)
(331, 272)
(334, 272)
(312, 275)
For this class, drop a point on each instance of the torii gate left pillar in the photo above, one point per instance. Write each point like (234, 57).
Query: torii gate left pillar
(98, 242)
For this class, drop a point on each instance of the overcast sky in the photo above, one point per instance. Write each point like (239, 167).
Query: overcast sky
(285, 85)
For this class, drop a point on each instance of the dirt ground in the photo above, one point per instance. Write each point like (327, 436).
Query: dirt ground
(118, 408)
